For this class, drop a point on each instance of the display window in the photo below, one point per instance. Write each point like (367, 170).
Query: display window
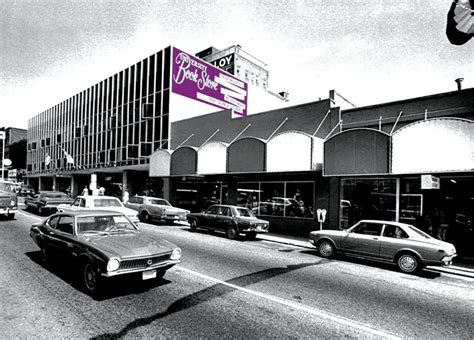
(285, 199)
(367, 199)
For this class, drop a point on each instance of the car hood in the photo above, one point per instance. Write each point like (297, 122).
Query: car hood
(129, 244)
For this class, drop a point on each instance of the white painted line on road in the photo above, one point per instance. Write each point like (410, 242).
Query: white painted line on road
(31, 216)
(310, 310)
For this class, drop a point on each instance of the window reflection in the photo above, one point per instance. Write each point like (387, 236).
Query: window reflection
(286, 199)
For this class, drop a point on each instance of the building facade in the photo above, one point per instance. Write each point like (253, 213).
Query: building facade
(15, 150)
(157, 128)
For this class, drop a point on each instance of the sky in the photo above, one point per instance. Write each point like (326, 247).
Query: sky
(371, 51)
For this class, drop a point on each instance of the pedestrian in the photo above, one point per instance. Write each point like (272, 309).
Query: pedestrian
(125, 197)
(85, 191)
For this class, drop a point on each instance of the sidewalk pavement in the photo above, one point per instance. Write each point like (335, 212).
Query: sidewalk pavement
(461, 266)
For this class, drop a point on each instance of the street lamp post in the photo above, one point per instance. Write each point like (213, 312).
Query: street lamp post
(2, 137)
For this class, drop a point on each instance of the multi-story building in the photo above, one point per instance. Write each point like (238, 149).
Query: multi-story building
(176, 126)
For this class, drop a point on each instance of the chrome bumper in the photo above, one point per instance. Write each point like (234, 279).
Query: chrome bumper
(165, 264)
(8, 210)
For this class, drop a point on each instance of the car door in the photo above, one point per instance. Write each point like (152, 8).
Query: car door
(363, 239)
(64, 234)
(209, 216)
(223, 218)
(393, 239)
(48, 231)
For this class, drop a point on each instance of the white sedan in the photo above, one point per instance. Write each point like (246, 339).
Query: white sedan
(109, 203)
(152, 208)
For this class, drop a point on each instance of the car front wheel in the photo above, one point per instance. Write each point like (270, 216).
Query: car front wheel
(91, 278)
(193, 224)
(144, 217)
(232, 233)
(326, 249)
(408, 263)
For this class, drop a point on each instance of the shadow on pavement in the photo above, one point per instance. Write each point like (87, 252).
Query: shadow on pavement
(113, 287)
(208, 294)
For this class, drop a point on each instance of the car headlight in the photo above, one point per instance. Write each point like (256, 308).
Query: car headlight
(12, 203)
(113, 265)
(176, 254)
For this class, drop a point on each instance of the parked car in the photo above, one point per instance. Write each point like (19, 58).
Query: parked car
(26, 190)
(233, 220)
(99, 203)
(407, 246)
(8, 199)
(103, 244)
(152, 208)
(46, 201)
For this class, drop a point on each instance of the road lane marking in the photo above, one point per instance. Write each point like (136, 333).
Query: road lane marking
(31, 216)
(300, 307)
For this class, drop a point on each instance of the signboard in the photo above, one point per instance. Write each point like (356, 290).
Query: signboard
(429, 182)
(2, 134)
(199, 80)
(321, 215)
(225, 63)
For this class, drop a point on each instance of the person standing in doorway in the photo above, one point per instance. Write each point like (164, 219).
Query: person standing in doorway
(85, 191)
(125, 197)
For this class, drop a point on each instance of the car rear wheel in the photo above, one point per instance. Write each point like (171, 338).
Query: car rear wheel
(91, 278)
(144, 217)
(193, 224)
(11, 216)
(326, 249)
(232, 233)
(408, 263)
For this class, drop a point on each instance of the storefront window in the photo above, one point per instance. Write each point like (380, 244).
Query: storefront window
(367, 199)
(286, 199)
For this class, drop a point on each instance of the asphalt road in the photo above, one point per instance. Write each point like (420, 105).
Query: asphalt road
(229, 289)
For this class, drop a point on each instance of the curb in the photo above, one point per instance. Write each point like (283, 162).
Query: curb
(453, 270)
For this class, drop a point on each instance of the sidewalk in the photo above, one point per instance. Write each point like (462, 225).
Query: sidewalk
(461, 266)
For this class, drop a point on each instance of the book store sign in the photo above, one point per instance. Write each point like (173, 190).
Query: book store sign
(199, 80)
(429, 182)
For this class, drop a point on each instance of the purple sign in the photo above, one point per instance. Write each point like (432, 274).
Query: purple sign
(196, 79)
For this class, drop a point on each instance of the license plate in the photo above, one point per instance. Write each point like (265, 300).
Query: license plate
(149, 274)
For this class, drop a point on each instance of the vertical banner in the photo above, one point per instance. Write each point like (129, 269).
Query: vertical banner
(199, 80)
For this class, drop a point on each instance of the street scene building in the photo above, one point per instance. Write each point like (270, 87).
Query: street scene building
(13, 149)
(176, 126)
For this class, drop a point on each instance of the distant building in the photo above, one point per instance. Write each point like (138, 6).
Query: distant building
(15, 150)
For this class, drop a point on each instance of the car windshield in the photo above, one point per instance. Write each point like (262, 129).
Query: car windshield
(107, 202)
(418, 231)
(245, 212)
(159, 202)
(104, 223)
(7, 187)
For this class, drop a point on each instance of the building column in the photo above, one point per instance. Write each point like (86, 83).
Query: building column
(55, 183)
(40, 184)
(126, 184)
(74, 186)
(167, 189)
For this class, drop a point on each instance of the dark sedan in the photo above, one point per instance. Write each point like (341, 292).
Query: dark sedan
(46, 201)
(233, 220)
(104, 244)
